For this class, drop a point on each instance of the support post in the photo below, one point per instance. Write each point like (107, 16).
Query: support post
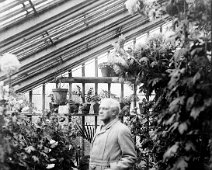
(109, 90)
(69, 95)
(83, 100)
(43, 99)
(161, 29)
(30, 104)
(96, 85)
(122, 90)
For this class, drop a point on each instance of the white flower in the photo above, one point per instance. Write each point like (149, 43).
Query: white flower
(50, 166)
(168, 34)
(52, 159)
(52, 141)
(70, 147)
(54, 145)
(48, 121)
(9, 63)
(25, 109)
(132, 6)
(149, 2)
(20, 101)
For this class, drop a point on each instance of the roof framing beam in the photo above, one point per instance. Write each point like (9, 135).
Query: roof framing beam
(57, 50)
(48, 76)
(44, 20)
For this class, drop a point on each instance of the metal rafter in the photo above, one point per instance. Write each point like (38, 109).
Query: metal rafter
(49, 75)
(30, 26)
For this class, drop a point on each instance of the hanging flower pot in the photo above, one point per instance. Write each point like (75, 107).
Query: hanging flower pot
(106, 69)
(60, 96)
(96, 107)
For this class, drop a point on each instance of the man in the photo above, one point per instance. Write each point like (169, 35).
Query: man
(112, 146)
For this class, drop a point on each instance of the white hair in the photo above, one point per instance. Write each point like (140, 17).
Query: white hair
(112, 103)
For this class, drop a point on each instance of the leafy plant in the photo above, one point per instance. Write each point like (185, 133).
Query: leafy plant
(105, 64)
(87, 132)
(178, 71)
(87, 96)
(38, 146)
(95, 98)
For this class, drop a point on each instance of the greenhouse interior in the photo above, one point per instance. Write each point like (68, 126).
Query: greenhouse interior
(105, 85)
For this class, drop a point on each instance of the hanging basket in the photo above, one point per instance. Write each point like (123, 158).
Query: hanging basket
(60, 96)
(106, 71)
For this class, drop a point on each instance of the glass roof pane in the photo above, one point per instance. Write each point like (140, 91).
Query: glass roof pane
(13, 11)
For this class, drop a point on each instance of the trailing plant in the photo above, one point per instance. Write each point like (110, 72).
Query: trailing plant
(105, 65)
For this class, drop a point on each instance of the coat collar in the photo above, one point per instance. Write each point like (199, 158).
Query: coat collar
(105, 127)
(102, 128)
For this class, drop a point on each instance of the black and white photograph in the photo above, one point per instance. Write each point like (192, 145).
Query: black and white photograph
(105, 85)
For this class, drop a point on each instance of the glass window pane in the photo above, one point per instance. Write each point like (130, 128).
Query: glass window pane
(90, 68)
(37, 102)
(116, 89)
(128, 44)
(167, 26)
(77, 71)
(37, 90)
(127, 90)
(103, 89)
(154, 31)
(141, 39)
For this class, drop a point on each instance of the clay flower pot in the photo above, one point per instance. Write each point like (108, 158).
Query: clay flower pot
(86, 108)
(60, 96)
(96, 107)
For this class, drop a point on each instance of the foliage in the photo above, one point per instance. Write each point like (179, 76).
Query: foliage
(151, 8)
(88, 96)
(134, 65)
(183, 112)
(181, 80)
(96, 98)
(87, 132)
(45, 145)
(105, 65)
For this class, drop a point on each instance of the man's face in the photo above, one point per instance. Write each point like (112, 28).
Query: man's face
(105, 112)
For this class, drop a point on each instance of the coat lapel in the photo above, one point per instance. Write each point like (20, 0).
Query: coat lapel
(102, 129)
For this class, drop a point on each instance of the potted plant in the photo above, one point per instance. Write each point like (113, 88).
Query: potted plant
(96, 98)
(106, 69)
(60, 95)
(73, 106)
(85, 106)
